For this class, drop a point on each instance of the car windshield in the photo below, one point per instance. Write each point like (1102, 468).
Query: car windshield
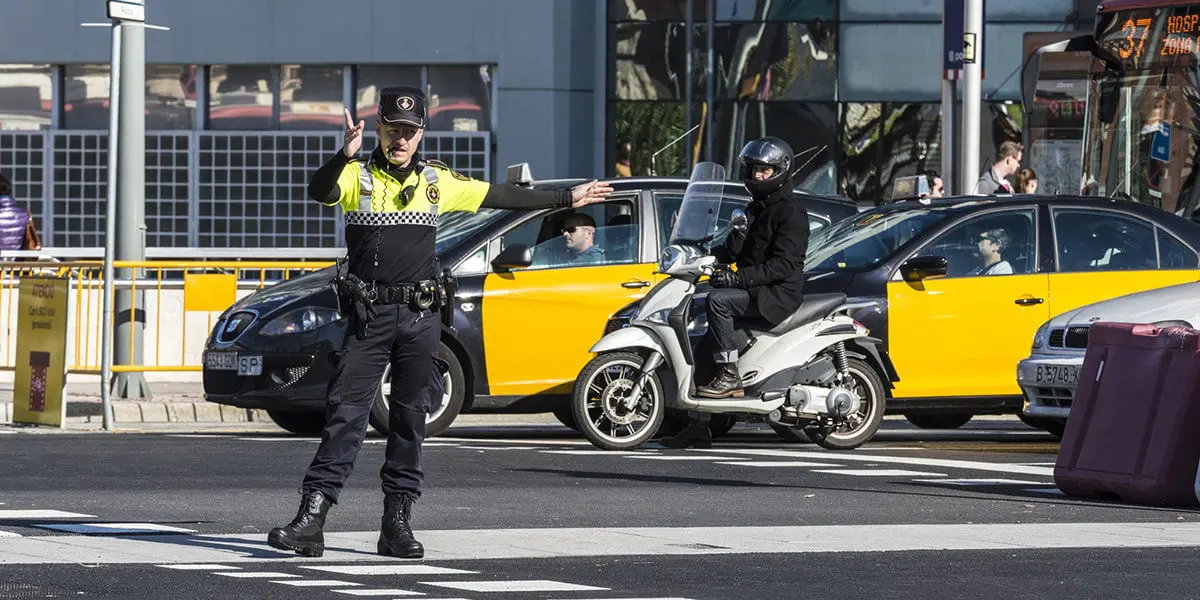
(866, 239)
(459, 225)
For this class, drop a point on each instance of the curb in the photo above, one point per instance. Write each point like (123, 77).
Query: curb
(125, 411)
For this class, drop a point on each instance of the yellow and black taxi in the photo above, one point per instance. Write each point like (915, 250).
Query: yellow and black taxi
(534, 291)
(958, 287)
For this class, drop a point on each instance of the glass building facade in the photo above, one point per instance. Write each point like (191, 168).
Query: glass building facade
(856, 82)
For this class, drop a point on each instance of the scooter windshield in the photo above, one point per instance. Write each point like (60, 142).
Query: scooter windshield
(696, 221)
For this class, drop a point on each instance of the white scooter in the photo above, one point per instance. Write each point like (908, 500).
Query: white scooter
(818, 371)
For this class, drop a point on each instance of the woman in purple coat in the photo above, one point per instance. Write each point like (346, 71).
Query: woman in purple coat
(13, 218)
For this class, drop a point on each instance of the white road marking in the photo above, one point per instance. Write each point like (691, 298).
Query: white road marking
(390, 570)
(317, 583)
(526, 585)
(379, 592)
(7, 534)
(564, 443)
(199, 567)
(624, 598)
(591, 452)
(780, 463)
(464, 447)
(254, 575)
(481, 544)
(911, 461)
(681, 457)
(126, 528)
(877, 472)
(978, 481)
(41, 514)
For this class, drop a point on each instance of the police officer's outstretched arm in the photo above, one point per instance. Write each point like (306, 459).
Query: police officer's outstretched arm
(471, 194)
(338, 177)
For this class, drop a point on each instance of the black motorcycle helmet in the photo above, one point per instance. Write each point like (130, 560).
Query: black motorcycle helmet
(770, 152)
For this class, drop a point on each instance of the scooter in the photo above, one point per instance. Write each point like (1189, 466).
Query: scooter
(818, 371)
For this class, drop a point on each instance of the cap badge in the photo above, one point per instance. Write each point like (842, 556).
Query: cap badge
(404, 102)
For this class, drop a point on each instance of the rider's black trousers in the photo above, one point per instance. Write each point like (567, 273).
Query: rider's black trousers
(722, 306)
(408, 340)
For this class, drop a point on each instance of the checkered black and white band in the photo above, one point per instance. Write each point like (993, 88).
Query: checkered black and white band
(382, 219)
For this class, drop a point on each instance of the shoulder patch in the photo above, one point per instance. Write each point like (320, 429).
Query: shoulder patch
(437, 163)
(459, 176)
(433, 194)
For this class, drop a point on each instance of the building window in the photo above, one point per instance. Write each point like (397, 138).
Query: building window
(242, 97)
(311, 97)
(26, 96)
(371, 79)
(772, 61)
(460, 98)
(650, 61)
(85, 97)
(170, 97)
(885, 140)
(649, 127)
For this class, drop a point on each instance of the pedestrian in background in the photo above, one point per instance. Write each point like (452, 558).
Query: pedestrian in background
(17, 230)
(995, 179)
(1027, 181)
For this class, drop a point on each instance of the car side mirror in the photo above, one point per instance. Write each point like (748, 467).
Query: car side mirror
(516, 256)
(919, 268)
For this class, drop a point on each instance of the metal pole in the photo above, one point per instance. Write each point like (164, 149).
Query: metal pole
(110, 221)
(131, 201)
(971, 94)
(710, 94)
(688, 91)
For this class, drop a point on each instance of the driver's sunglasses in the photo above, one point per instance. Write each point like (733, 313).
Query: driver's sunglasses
(569, 229)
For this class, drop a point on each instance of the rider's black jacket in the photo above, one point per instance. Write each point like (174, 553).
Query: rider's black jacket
(770, 254)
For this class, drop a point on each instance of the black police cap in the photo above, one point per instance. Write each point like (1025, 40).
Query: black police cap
(402, 104)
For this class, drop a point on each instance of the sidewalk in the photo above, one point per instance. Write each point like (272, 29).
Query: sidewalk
(172, 403)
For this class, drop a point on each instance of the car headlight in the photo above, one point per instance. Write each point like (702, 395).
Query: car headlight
(1039, 338)
(300, 320)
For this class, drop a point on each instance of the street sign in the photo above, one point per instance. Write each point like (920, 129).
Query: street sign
(954, 42)
(127, 10)
(968, 53)
(1160, 145)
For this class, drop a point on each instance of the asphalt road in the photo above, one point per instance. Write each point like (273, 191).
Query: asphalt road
(536, 512)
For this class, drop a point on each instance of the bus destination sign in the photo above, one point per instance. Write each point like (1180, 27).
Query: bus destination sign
(1153, 37)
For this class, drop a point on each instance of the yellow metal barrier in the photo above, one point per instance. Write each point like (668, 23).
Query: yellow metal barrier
(170, 292)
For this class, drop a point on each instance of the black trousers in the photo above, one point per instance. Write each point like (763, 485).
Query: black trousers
(408, 340)
(722, 306)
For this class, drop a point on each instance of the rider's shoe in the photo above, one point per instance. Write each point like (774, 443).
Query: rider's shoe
(727, 383)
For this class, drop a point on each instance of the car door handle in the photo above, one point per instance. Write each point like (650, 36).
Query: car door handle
(1029, 301)
(635, 284)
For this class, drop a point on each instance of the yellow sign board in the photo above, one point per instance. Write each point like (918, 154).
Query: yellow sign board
(41, 370)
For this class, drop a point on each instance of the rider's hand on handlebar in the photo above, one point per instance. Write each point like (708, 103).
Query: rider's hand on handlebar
(727, 279)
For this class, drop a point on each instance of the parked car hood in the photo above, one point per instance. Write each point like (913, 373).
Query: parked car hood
(1177, 302)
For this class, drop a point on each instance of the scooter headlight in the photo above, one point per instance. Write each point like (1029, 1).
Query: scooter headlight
(669, 257)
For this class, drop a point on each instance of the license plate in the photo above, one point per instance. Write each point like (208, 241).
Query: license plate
(245, 365)
(1057, 374)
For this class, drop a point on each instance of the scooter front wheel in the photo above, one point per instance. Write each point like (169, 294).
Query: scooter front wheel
(605, 409)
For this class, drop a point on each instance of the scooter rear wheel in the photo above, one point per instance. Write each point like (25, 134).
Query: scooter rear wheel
(862, 425)
(605, 414)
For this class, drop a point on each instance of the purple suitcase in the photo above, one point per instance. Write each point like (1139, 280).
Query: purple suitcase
(1134, 429)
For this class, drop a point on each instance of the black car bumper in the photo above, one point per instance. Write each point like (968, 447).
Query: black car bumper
(289, 381)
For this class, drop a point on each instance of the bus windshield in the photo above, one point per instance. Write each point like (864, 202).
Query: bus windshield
(1142, 129)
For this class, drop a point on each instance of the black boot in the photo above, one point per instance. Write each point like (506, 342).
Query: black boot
(727, 383)
(396, 535)
(304, 534)
(695, 433)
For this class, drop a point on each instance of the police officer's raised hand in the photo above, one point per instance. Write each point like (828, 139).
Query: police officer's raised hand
(589, 193)
(353, 141)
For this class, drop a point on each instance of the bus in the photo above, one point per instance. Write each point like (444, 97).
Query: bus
(1141, 119)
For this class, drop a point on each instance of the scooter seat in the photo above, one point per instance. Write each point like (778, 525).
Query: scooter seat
(812, 308)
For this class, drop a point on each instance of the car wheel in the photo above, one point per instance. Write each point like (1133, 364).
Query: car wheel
(939, 421)
(440, 419)
(721, 425)
(299, 423)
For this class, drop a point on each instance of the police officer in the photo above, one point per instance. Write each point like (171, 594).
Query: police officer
(390, 291)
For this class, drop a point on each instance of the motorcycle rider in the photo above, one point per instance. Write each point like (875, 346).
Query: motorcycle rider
(769, 253)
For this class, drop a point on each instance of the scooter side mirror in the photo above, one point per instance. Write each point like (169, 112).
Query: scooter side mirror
(919, 268)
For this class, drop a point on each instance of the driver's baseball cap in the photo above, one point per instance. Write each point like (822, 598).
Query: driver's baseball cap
(402, 105)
